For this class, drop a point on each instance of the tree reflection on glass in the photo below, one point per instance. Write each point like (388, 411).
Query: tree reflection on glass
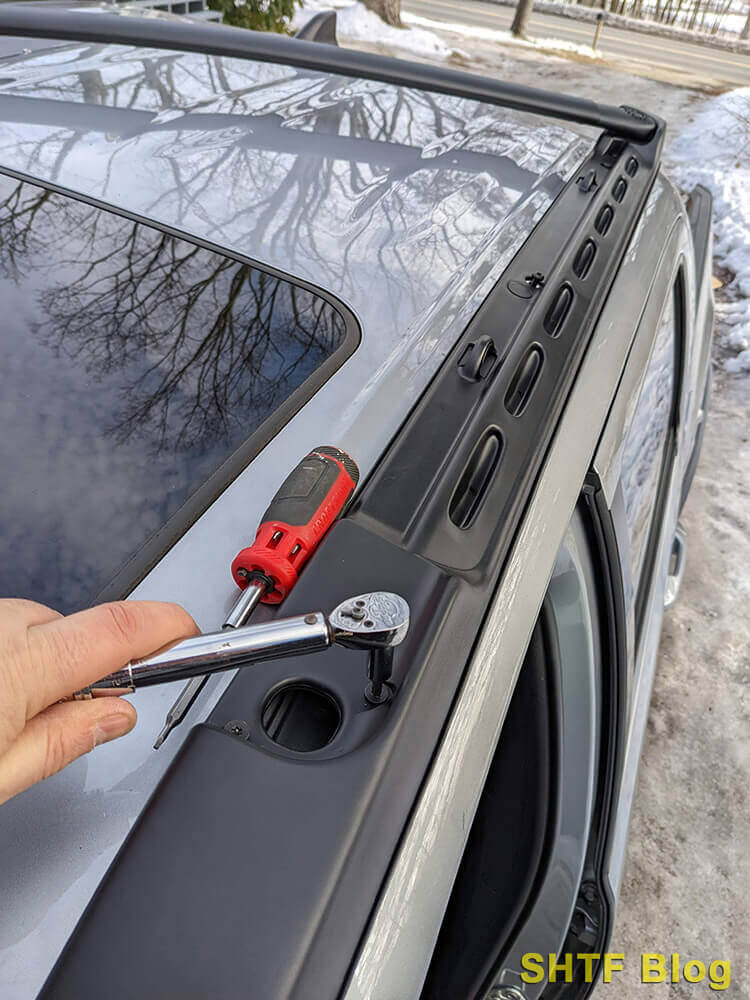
(320, 173)
(134, 365)
(197, 341)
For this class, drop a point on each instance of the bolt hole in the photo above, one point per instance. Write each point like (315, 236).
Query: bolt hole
(368, 623)
(360, 604)
(301, 717)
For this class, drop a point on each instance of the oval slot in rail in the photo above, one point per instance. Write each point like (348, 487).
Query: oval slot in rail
(553, 321)
(523, 381)
(474, 482)
(618, 191)
(584, 259)
(604, 219)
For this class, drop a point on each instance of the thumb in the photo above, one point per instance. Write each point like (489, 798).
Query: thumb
(57, 736)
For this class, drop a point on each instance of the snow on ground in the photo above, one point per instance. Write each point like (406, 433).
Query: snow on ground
(472, 31)
(714, 150)
(355, 23)
(730, 20)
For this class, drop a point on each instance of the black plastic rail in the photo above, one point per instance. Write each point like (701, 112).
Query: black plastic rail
(32, 21)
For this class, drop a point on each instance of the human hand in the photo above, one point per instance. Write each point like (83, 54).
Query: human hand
(45, 656)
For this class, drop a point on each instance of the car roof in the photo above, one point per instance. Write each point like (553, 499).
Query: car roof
(384, 196)
(404, 204)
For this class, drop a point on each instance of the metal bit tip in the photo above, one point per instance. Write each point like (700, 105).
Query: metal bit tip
(168, 726)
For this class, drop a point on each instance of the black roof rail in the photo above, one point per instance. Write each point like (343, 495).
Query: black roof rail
(34, 21)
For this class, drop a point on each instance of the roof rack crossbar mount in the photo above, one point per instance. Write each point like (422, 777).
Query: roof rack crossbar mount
(219, 40)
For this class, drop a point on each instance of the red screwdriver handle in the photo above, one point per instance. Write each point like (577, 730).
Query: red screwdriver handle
(308, 502)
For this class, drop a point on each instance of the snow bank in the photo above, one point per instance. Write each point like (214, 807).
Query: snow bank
(355, 23)
(727, 41)
(502, 37)
(714, 150)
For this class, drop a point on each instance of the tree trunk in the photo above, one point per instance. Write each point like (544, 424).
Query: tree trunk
(521, 18)
(388, 10)
(746, 30)
(693, 16)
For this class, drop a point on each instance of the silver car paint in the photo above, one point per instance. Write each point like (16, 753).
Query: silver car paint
(396, 952)
(421, 251)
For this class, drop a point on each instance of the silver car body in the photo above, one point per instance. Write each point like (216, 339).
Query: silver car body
(409, 220)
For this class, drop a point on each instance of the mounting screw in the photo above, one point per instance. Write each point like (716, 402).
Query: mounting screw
(588, 891)
(238, 727)
(505, 993)
(310, 619)
(242, 573)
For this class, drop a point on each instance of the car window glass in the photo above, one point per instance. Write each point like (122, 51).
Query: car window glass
(133, 365)
(644, 446)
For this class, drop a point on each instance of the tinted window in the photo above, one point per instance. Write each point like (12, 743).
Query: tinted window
(133, 365)
(645, 444)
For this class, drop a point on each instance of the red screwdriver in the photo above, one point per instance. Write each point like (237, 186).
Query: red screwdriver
(309, 500)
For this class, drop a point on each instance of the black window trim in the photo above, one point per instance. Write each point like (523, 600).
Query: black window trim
(145, 558)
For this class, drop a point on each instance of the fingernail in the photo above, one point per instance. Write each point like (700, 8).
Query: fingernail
(112, 726)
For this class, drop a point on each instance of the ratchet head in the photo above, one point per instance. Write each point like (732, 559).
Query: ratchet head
(379, 620)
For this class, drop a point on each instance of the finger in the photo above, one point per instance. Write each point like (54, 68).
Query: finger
(59, 735)
(15, 612)
(16, 617)
(69, 653)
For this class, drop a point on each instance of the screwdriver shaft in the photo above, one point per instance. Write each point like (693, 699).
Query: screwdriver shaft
(245, 604)
(238, 616)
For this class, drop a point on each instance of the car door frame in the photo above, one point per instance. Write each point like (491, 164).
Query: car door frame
(674, 275)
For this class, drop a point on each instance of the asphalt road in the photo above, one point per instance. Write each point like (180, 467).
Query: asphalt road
(711, 66)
